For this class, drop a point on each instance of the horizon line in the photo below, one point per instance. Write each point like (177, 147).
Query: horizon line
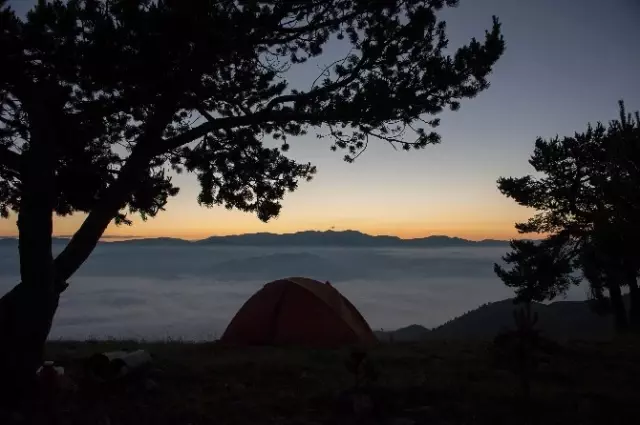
(133, 237)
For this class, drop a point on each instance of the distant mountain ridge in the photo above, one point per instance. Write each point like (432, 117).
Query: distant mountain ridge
(341, 238)
(347, 238)
(10, 241)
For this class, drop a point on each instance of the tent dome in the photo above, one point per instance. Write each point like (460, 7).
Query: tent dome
(298, 311)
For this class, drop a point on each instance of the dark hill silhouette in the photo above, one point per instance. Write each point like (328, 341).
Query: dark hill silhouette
(562, 320)
(306, 238)
(347, 238)
(409, 333)
(9, 241)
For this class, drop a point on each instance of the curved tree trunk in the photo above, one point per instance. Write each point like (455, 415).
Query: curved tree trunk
(27, 311)
(88, 235)
(113, 199)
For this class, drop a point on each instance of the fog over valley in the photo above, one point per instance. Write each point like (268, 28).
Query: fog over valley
(192, 291)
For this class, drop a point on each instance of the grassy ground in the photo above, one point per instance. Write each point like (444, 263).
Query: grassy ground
(433, 383)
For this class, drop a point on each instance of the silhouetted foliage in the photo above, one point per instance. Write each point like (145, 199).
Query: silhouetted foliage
(587, 199)
(101, 99)
(539, 271)
(116, 72)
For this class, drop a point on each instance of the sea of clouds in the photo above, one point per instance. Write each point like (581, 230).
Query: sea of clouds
(192, 292)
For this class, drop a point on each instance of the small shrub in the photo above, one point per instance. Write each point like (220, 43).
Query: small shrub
(518, 349)
(361, 367)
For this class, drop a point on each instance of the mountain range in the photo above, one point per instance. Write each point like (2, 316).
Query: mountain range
(347, 238)
(560, 320)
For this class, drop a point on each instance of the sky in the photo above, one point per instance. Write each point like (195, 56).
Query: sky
(567, 63)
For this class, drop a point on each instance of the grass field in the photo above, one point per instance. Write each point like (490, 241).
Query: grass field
(437, 382)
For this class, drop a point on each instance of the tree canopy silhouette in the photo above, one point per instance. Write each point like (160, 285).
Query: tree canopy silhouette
(587, 200)
(102, 99)
(540, 270)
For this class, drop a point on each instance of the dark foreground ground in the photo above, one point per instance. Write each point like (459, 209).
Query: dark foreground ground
(436, 382)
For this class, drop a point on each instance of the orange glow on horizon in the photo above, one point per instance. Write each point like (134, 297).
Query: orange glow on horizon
(402, 231)
(471, 233)
(466, 229)
(199, 223)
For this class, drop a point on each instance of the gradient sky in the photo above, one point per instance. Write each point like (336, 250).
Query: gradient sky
(567, 63)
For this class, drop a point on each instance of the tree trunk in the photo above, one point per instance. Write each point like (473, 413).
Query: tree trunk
(634, 305)
(88, 235)
(26, 315)
(617, 304)
(27, 311)
(113, 199)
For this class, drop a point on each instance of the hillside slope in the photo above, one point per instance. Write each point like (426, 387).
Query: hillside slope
(563, 320)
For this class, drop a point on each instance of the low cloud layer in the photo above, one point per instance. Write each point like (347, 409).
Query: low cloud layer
(193, 292)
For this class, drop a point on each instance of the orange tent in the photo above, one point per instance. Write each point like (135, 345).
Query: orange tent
(298, 311)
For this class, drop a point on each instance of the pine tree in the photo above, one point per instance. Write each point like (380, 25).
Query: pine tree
(586, 196)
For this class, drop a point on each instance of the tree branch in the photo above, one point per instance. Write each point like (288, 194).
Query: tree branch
(319, 91)
(265, 115)
(260, 117)
(205, 114)
(292, 33)
(111, 200)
